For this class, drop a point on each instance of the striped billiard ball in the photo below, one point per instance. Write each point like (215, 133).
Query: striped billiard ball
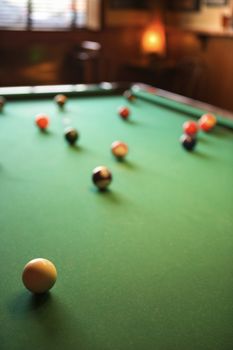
(71, 135)
(60, 100)
(207, 122)
(129, 96)
(101, 177)
(119, 149)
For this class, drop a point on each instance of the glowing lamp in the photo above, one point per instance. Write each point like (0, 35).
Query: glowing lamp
(153, 40)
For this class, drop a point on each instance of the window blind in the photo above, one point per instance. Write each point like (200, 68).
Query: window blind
(13, 14)
(43, 14)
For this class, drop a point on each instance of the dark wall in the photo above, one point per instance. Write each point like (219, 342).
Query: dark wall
(202, 64)
(43, 57)
(209, 59)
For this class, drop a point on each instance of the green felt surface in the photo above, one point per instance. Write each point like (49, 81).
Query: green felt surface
(146, 265)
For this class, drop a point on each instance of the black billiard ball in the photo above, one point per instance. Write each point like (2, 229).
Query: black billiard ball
(188, 142)
(60, 100)
(124, 112)
(129, 96)
(101, 177)
(2, 102)
(71, 135)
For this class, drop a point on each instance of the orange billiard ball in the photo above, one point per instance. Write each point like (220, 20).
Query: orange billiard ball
(42, 121)
(207, 122)
(124, 112)
(119, 149)
(39, 275)
(190, 128)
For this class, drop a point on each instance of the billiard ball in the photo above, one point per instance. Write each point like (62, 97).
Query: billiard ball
(39, 275)
(129, 96)
(124, 112)
(60, 100)
(119, 149)
(2, 103)
(101, 177)
(188, 142)
(42, 121)
(151, 90)
(190, 128)
(71, 135)
(207, 122)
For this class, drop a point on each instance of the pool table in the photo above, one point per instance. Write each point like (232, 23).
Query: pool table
(145, 265)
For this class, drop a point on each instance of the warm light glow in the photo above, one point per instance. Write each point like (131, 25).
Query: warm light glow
(153, 40)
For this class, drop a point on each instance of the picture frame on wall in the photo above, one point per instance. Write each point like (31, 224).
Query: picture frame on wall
(128, 4)
(216, 2)
(184, 5)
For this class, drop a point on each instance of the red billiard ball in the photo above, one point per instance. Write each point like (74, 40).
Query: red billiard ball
(190, 128)
(151, 90)
(124, 112)
(119, 149)
(39, 275)
(42, 121)
(101, 177)
(207, 122)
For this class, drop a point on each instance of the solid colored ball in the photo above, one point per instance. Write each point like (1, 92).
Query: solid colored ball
(207, 122)
(60, 100)
(151, 90)
(188, 142)
(42, 121)
(119, 149)
(71, 136)
(129, 96)
(124, 112)
(190, 128)
(39, 275)
(101, 177)
(2, 103)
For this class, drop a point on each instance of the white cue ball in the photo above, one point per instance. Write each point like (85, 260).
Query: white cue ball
(39, 275)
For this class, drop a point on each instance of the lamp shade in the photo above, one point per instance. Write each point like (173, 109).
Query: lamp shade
(153, 40)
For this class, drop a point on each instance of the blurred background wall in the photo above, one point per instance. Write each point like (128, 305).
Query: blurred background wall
(182, 46)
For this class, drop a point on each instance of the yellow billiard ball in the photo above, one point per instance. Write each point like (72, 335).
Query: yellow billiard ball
(39, 275)
(207, 122)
